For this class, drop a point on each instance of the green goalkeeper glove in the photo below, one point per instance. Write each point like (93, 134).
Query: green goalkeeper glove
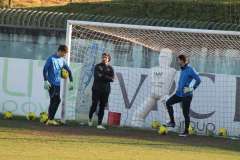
(47, 85)
(187, 89)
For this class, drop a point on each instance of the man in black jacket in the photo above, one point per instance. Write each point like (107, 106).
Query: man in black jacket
(103, 75)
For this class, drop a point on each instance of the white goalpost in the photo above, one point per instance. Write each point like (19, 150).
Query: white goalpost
(68, 43)
(143, 83)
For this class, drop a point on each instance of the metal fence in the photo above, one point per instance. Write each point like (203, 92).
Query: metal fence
(57, 20)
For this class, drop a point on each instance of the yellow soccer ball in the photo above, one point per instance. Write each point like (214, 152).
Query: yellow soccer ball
(43, 113)
(31, 116)
(191, 130)
(155, 124)
(64, 73)
(222, 132)
(163, 130)
(43, 118)
(8, 115)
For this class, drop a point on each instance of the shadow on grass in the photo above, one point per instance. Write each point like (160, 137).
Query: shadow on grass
(149, 137)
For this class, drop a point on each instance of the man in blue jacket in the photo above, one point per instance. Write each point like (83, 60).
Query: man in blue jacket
(52, 78)
(184, 93)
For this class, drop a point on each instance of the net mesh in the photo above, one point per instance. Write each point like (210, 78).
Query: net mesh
(135, 54)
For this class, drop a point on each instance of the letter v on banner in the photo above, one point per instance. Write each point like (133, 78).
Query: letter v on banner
(128, 104)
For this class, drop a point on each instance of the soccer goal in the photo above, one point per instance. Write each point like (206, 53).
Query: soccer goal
(145, 78)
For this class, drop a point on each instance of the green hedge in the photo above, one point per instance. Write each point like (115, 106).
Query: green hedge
(221, 11)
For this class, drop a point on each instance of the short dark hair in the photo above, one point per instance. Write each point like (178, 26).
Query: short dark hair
(108, 55)
(62, 47)
(182, 58)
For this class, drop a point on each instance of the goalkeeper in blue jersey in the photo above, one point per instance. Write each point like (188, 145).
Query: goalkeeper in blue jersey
(184, 93)
(52, 73)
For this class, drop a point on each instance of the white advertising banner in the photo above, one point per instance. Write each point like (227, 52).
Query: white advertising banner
(216, 103)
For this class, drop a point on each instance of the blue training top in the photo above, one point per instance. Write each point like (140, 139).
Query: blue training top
(186, 77)
(52, 69)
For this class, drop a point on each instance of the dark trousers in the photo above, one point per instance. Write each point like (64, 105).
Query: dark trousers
(54, 93)
(100, 98)
(186, 103)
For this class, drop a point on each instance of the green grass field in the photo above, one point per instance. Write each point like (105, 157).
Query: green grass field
(24, 140)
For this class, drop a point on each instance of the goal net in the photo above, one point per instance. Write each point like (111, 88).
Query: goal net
(147, 73)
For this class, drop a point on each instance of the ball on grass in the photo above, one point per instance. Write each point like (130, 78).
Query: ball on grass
(31, 116)
(155, 124)
(191, 130)
(162, 130)
(43, 113)
(43, 118)
(8, 115)
(222, 132)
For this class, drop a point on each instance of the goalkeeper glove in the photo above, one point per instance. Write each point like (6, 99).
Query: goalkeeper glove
(187, 89)
(47, 85)
(70, 86)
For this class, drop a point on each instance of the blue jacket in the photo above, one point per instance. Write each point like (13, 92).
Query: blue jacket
(186, 76)
(52, 69)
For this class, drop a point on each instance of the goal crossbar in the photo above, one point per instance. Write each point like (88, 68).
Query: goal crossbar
(155, 38)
